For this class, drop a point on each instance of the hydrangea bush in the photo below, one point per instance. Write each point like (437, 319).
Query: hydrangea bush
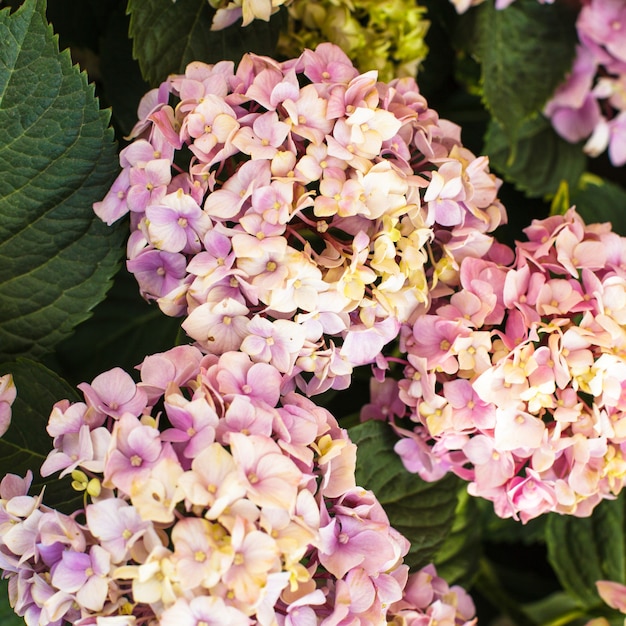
(367, 393)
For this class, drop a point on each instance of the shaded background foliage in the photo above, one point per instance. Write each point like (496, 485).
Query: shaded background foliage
(69, 310)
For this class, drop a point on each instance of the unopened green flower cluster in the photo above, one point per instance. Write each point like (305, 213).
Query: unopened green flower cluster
(388, 36)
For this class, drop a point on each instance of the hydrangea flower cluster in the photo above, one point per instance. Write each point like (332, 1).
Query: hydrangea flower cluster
(229, 11)
(297, 211)
(387, 37)
(517, 380)
(209, 498)
(591, 104)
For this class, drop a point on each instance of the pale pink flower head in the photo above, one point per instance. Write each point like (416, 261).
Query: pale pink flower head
(12, 485)
(212, 611)
(193, 422)
(617, 139)
(328, 64)
(115, 204)
(117, 525)
(186, 517)
(531, 496)
(229, 11)
(176, 223)
(158, 272)
(385, 401)
(86, 448)
(327, 202)
(177, 365)
(134, 449)
(354, 526)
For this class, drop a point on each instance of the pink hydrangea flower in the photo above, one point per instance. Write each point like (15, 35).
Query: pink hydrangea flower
(186, 520)
(590, 105)
(306, 228)
(524, 400)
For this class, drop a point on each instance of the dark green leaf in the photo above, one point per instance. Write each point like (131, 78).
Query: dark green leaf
(26, 443)
(57, 157)
(599, 200)
(167, 36)
(458, 558)
(585, 550)
(526, 51)
(557, 608)
(121, 76)
(423, 512)
(123, 330)
(538, 161)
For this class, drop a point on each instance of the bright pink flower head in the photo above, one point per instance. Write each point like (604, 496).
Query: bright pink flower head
(525, 398)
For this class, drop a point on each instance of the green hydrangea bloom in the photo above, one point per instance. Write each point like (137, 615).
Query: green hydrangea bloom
(386, 36)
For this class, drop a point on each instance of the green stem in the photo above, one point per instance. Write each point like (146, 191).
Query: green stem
(566, 618)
